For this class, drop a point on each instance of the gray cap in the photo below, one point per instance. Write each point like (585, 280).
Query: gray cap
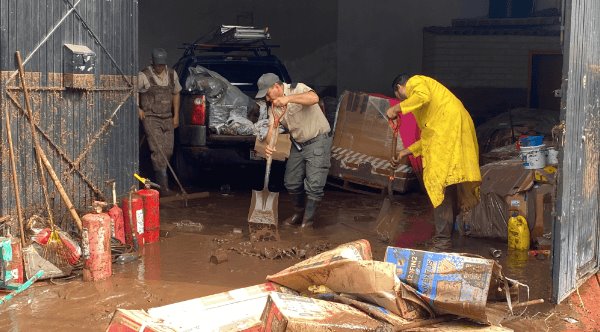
(265, 82)
(159, 56)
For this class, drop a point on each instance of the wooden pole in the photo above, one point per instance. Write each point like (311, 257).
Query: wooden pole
(41, 153)
(13, 165)
(37, 150)
(528, 303)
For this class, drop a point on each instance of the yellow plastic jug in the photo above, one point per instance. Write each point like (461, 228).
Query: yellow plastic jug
(518, 233)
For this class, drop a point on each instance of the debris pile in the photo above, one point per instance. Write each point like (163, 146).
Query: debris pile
(345, 289)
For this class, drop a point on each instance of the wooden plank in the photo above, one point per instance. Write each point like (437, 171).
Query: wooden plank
(176, 198)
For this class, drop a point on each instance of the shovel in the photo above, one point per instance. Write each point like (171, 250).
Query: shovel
(262, 218)
(390, 215)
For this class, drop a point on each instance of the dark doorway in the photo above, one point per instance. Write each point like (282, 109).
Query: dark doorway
(545, 78)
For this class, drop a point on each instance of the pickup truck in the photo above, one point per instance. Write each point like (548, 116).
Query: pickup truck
(197, 146)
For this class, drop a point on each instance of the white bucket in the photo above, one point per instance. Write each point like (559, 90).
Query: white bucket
(551, 156)
(533, 157)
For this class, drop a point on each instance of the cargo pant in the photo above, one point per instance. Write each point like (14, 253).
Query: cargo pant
(307, 170)
(443, 218)
(159, 133)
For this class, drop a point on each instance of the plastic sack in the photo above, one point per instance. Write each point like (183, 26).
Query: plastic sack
(73, 249)
(223, 97)
(236, 125)
(42, 236)
(261, 128)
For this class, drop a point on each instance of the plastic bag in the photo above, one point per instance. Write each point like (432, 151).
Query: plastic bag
(236, 125)
(261, 128)
(224, 99)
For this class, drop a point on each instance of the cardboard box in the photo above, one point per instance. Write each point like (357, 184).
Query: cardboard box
(362, 143)
(235, 310)
(505, 188)
(345, 270)
(290, 313)
(543, 195)
(450, 283)
(282, 147)
(356, 250)
(136, 321)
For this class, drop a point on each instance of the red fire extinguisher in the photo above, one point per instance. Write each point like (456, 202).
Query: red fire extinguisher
(116, 217)
(96, 244)
(151, 202)
(133, 217)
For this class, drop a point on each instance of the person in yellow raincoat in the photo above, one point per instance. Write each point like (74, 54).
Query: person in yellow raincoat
(448, 147)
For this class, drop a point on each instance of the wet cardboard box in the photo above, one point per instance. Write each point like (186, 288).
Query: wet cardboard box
(286, 312)
(235, 310)
(362, 144)
(450, 283)
(282, 147)
(136, 321)
(349, 269)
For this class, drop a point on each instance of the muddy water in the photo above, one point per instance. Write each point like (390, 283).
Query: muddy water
(178, 268)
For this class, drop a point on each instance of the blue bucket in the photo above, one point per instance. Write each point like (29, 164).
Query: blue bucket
(531, 140)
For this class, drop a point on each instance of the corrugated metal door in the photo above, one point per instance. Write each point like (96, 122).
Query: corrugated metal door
(577, 228)
(89, 134)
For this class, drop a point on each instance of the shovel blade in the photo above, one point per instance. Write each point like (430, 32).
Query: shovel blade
(389, 218)
(263, 216)
(263, 207)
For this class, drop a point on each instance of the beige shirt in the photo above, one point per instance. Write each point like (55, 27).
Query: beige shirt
(303, 122)
(162, 79)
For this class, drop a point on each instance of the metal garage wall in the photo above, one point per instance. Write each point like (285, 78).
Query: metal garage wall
(89, 135)
(577, 228)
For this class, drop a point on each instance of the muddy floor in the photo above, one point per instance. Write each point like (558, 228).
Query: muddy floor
(179, 268)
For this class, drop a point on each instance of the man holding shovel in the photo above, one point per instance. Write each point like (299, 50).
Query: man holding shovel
(448, 146)
(159, 111)
(308, 164)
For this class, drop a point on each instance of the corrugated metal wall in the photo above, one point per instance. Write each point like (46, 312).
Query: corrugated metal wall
(577, 227)
(89, 135)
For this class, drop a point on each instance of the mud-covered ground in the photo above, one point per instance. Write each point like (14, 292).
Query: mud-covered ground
(178, 267)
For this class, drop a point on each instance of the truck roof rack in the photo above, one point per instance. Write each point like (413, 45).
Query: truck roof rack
(239, 34)
(233, 38)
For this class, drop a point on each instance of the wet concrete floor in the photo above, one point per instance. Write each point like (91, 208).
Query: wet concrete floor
(177, 268)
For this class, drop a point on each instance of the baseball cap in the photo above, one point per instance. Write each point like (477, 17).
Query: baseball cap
(159, 56)
(265, 82)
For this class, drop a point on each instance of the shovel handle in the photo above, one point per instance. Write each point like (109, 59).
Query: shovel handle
(395, 125)
(274, 135)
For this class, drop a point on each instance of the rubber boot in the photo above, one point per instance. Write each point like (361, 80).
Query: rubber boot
(163, 181)
(310, 213)
(298, 202)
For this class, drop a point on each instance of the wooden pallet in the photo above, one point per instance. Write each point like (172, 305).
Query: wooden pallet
(356, 187)
(365, 188)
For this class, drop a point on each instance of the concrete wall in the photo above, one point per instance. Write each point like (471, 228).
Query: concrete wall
(306, 30)
(379, 39)
(489, 73)
(500, 61)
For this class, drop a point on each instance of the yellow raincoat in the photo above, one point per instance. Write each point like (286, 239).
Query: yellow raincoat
(448, 142)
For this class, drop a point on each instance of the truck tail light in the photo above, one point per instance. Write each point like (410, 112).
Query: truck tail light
(198, 111)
